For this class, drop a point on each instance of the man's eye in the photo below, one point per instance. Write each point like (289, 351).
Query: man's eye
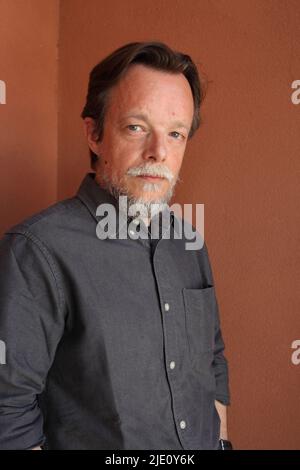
(134, 127)
(177, 135)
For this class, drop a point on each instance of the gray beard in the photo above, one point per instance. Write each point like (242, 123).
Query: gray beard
(148, 207)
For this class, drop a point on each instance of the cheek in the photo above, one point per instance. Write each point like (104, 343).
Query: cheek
(176, 161)
(124, 159)
(128, 154)
(132, 148)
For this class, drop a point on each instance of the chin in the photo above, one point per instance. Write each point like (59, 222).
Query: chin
(148, 196)
(153, 191)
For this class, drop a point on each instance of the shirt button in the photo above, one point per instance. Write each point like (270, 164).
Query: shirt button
(172, 365)
(167, 307)
(182, 424)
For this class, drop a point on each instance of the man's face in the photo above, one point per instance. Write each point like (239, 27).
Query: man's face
(147, 122)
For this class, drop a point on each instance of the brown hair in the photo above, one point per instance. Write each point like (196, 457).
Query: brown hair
(109, 71)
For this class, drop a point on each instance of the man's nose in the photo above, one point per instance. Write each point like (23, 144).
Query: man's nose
(155, 147)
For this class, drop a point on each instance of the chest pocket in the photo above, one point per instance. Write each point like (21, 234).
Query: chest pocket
(200, 318)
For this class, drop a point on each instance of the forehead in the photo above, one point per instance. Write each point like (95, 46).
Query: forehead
(153, 91)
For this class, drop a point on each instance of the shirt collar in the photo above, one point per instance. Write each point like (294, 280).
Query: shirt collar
(92, 195)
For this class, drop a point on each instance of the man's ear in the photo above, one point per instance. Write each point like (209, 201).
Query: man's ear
(89, 130)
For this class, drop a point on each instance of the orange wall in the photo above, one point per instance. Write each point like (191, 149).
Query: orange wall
(28, 120)
(242, 164)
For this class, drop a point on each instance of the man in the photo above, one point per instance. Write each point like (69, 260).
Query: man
(115, 342)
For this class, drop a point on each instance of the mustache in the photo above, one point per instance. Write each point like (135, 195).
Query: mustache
(151, 170)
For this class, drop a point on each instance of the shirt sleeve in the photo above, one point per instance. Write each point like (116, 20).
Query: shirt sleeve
(220, 363)
(31, 325)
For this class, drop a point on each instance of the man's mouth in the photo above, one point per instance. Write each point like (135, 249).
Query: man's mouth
(151, 178)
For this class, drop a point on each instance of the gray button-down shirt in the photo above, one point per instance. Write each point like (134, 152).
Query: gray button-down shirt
(110, 344)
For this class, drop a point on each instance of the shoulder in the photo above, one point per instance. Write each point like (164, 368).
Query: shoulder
(48, 230)
(52, 214)
(55, 222)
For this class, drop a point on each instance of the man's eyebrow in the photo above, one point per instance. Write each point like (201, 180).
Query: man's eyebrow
(144, 117)
(141, 117)
(180, 124)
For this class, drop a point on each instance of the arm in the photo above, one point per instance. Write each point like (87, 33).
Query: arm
(220, 365)
(222, 411)
(31, 325)
(222, 398)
